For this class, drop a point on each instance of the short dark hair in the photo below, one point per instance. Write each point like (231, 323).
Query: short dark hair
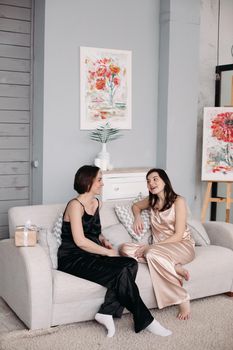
(170, 194)
(84, 178)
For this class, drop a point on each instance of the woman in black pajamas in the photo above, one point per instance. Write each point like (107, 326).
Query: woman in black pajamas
(86, 253)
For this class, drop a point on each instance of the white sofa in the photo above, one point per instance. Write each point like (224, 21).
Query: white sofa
(43, 297)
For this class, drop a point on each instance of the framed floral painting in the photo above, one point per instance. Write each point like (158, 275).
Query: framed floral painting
(105, 88)
(217, 152)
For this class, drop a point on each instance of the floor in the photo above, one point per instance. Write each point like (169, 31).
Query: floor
(8, 320)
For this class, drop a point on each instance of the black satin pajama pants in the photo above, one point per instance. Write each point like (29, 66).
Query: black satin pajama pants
(118, 275)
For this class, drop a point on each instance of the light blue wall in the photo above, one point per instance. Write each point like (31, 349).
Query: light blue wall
(125, 24)
(178, 93)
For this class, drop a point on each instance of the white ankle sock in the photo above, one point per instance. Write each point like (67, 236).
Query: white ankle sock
(108, 322)
(156, 328)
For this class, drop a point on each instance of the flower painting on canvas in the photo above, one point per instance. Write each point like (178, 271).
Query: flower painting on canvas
(217, 154)
(105, 87)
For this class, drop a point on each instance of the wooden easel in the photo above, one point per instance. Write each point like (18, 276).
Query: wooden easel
(228, 200)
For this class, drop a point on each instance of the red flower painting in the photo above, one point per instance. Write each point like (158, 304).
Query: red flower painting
(105, 87)
(222, 127)
(105, 76)
(217, 152)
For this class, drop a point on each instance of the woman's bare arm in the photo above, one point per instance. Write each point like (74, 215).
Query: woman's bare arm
(136, 209)
(75, 212)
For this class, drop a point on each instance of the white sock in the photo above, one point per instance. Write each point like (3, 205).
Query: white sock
(108, 322)
(156, 328)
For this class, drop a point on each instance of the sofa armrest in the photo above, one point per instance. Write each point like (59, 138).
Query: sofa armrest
(26, 283)
(220, 233)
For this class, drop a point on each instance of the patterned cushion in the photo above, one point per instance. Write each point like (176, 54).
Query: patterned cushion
(126, 217)
(51, 240)
(57, 228)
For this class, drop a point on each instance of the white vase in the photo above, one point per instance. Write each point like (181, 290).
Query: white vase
(104, 157)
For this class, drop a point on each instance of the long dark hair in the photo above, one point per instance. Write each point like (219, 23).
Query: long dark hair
(170, 195)
(84, 178)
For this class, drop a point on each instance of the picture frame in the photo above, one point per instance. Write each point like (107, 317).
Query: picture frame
(105, 88)
(217, 150)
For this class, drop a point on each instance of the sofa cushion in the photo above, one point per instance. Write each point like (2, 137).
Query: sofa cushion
(107, 213)
(126, 217)
(116, 234)
(198, 232)
(211, 271)
(69, 288)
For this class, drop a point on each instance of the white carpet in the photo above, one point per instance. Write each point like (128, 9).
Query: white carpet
(210, 328)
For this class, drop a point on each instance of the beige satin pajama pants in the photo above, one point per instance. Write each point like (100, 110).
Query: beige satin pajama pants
(161, 259)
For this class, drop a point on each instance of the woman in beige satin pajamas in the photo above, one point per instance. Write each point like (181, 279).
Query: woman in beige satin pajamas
(172, 245)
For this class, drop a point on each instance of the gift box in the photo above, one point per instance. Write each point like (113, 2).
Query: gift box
(25, 236)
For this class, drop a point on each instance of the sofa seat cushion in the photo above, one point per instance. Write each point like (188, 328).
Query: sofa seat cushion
(116, 234)
(69, 288)
(211, 272)
(145, 287)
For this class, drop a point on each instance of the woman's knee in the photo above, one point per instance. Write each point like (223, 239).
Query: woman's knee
(124, 249)
(129, 264)
(150, 252)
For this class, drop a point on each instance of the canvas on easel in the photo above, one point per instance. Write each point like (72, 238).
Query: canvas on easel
(217, 154)
(217, 151)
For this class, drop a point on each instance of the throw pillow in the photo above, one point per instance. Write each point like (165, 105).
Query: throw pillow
(42, 239)
(198, 232)
(50, 240)
(53, 248)
(57, 228)
(54, 239)
(126, 217)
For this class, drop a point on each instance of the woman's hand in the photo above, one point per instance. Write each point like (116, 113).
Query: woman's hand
(139, 253)
(138, 225)
(106, 244)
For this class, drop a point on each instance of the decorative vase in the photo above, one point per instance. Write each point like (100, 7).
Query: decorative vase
(104, 158)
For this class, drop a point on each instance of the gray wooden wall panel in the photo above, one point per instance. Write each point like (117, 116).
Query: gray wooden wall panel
(14, 168)
(14, 78)
(15, 12)
(14, 193)
(9, 142)
(4, 233)
(14, 180)
(18, 155)
(14, 51)
(14, 65)
(6, 205)
(4, 219)
(13, 25)
(14, 116)
(19, 3)
(14, 91)
(14, 39)
(14, 130)
(15, 104)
